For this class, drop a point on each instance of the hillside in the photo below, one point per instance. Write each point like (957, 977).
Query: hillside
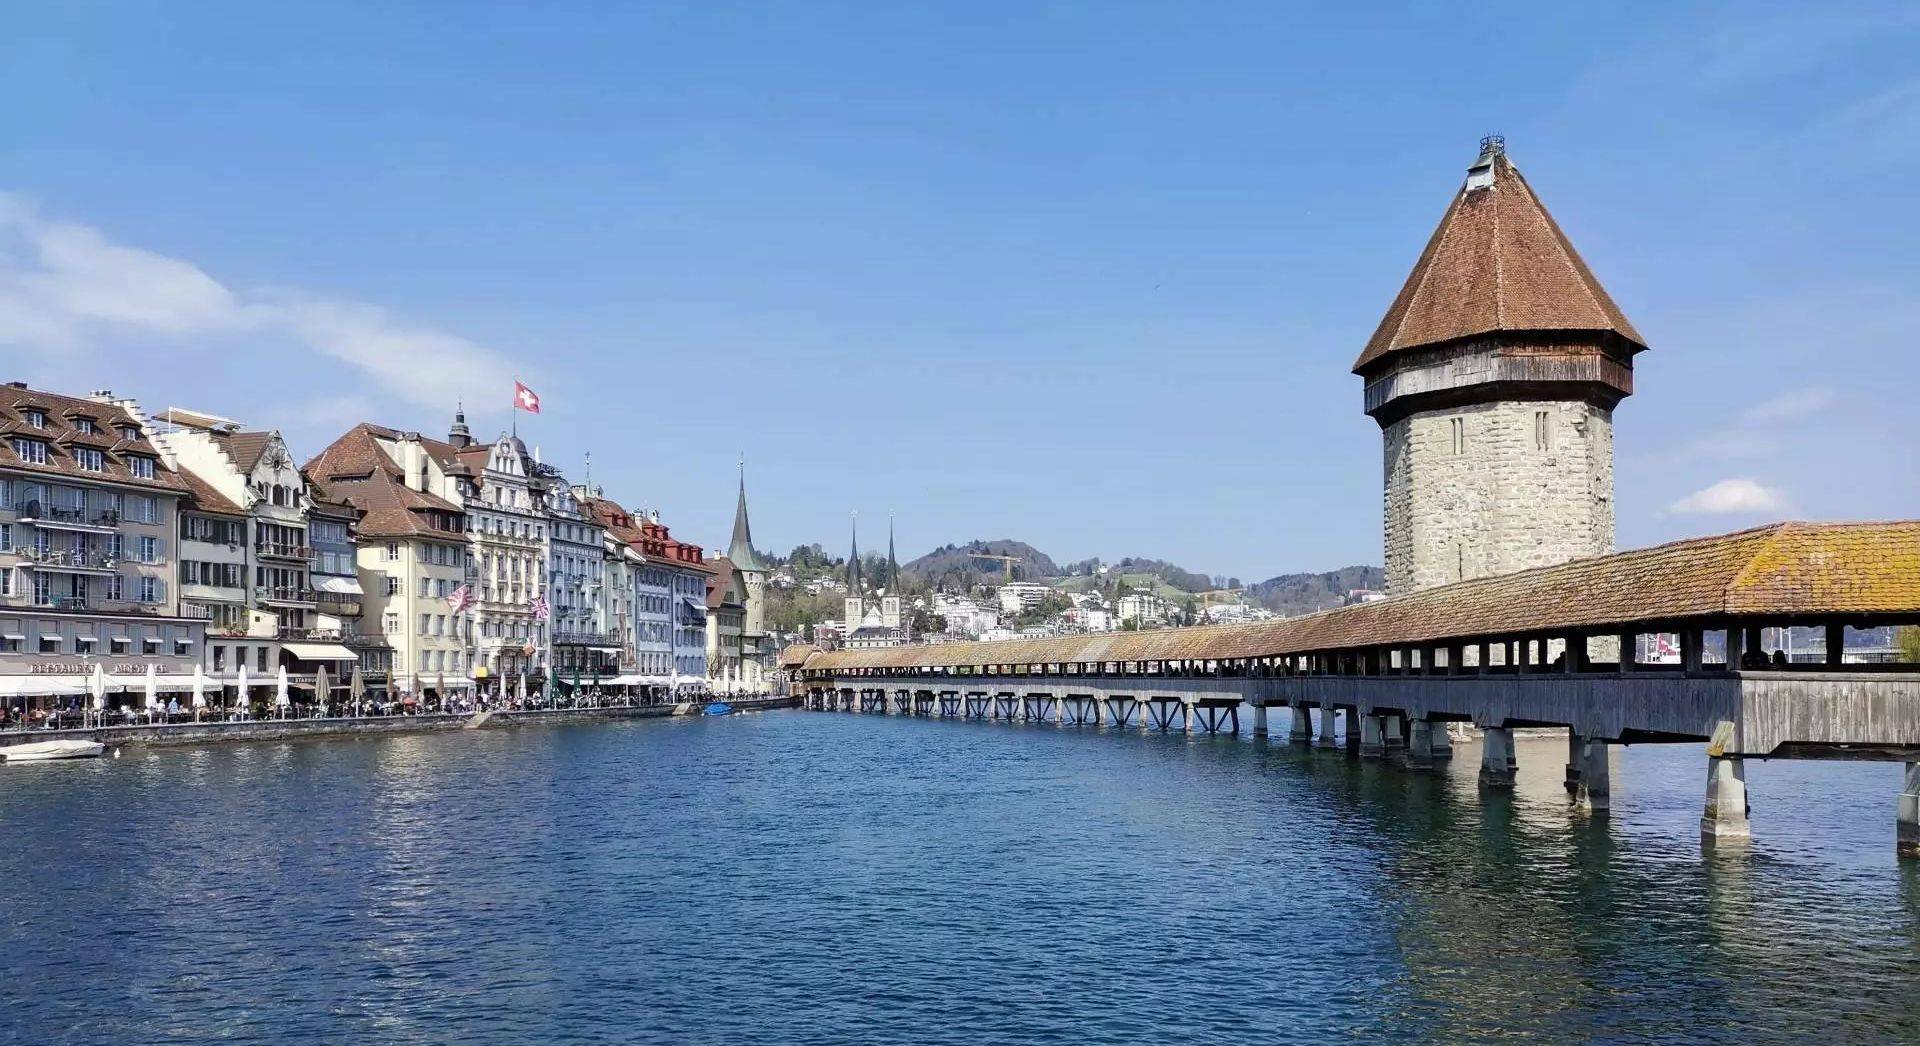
(1304, 593)
(958, 566)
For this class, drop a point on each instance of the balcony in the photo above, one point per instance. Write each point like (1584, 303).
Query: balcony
(41, 514)
(67, 603)
(345, 604)
(312, 635)
(69, 561)
(284, 594)
(274, 550)
(568, 637)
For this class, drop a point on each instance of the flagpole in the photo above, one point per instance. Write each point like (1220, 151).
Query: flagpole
(515, 412)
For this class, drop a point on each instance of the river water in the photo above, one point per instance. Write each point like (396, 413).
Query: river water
(818, 878)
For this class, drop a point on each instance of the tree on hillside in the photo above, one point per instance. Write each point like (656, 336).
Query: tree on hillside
(1050, 604)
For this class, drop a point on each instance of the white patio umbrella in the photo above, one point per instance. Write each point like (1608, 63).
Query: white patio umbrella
(199, 688)
(322, 687)
(356, 688)
(241, 703)
(153, 690)
(280, 696)
(97, 686)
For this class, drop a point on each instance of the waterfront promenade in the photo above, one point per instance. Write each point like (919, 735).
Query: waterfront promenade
(235, 730)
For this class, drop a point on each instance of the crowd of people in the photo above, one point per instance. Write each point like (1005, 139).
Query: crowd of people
(79, 713)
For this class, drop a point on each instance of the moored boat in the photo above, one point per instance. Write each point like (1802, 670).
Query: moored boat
(717, 708)
(42, 751)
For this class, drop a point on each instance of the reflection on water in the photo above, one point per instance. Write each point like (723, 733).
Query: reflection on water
(827, 878)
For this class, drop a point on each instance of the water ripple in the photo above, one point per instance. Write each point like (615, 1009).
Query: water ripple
(806, 879)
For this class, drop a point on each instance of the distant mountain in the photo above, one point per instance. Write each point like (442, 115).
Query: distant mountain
(1306, 593)
(960, 566)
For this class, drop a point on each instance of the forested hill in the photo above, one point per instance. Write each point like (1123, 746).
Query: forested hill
(1305, 593)
(961, 566)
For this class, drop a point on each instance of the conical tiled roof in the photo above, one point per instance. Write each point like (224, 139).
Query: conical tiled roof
(740, 549)
(1498, 262)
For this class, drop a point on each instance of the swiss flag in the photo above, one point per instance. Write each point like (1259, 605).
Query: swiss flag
(525, 398)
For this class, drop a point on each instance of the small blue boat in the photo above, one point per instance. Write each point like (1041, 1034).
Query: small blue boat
(717, 708)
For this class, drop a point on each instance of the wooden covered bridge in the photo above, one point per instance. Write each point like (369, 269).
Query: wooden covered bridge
(1550, 647)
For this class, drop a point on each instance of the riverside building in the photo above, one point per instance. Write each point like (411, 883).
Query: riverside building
(89, 517)
(278, 625)
(584, 643)
(411, 547)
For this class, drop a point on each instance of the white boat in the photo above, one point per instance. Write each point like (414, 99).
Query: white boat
(40, 751)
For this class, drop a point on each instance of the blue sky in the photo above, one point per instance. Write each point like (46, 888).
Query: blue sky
(1087, 275)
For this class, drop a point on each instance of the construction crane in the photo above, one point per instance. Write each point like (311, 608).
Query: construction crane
(1008, 561)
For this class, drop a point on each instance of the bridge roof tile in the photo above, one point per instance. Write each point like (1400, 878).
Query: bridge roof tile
(1782, 571)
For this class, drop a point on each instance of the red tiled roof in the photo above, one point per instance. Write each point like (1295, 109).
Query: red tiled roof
(1497, 262)
(201, 497)
(61, 435)
(390, 508)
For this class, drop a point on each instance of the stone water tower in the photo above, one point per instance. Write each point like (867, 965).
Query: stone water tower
(1494, 376)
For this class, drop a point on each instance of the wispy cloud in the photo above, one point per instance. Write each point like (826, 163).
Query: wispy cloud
(1796, 405)
(1731, 497)
(67, 287)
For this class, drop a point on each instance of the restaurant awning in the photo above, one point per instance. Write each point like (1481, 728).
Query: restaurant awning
(38, 686)
(605, 649)
(139, 682)
(320, 652)
(345, 586)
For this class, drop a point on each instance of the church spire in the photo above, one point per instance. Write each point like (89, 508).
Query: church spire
(893, 565)
(740, 549)
(853, 560)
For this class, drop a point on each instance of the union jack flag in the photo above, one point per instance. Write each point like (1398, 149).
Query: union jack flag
(461, 598)
(541, 611)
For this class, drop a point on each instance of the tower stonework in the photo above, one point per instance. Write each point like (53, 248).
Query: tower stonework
(1494, 377)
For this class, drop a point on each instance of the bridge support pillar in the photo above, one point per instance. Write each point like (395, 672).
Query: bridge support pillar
(1327, 714)
(949, 704)
(1576, 757)
(1594, 790)
(1260, 720)
(1120, 711)
(1007, 707)
(1390, 736)
(977, 707)
(1725, 816)
(1440, 740)
(1300, 727)
(1161, 711)
(1372, 743)
(1907, 816)
(1213, 718)
(1497, 767)
(1420, 745)
(1354, 730)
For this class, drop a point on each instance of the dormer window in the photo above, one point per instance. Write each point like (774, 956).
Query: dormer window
(31, 451)
(37, 418)
(130, 433)
(89, 459)
(85, 425)
(140, 465)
